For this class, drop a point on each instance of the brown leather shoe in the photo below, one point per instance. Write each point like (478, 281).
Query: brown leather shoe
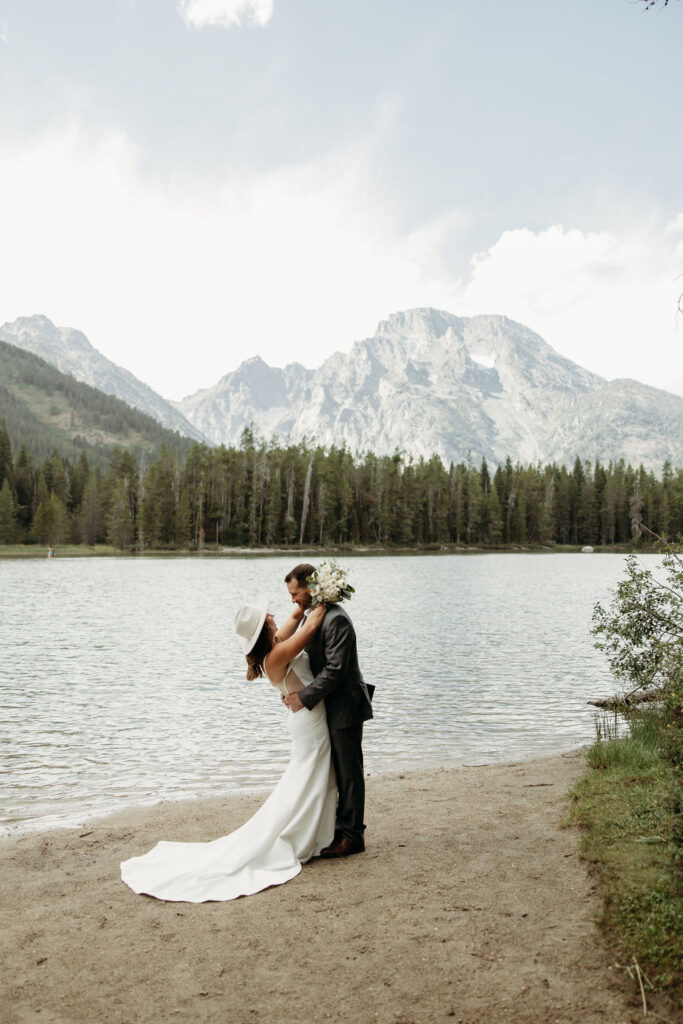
(343, 848)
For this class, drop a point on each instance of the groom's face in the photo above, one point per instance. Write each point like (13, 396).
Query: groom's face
(299, 593)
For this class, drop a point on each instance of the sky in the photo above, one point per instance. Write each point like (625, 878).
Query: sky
(195, 182)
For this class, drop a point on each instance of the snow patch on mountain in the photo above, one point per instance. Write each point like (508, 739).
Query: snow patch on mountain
(483, 360)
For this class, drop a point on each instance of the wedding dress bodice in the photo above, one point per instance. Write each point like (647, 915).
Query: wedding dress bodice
(300, 667)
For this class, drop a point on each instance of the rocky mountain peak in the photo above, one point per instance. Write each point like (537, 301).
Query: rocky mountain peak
(428, 381)
(38, 334)
(71, 352)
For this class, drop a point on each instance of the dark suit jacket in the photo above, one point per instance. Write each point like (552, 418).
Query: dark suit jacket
(334, 662)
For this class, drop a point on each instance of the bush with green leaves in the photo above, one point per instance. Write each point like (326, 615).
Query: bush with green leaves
(641, 632)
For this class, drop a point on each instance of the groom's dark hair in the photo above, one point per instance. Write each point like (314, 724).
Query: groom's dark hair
(300, 573)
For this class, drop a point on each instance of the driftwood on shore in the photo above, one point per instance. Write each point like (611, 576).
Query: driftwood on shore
(627, 700)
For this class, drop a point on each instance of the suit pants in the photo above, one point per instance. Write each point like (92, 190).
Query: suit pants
(347, 757)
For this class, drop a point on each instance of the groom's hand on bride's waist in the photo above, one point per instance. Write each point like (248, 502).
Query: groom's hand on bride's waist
(292, 701)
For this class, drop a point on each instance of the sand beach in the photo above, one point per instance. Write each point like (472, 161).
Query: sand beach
(470, 905)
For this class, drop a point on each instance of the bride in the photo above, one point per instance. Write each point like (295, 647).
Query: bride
(297, 819)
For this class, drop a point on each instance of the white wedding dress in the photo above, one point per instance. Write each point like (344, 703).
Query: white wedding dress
(293, 825)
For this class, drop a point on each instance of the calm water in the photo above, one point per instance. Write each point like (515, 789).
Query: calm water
(122, 682)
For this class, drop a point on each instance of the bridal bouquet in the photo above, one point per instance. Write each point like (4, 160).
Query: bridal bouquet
(329, 585)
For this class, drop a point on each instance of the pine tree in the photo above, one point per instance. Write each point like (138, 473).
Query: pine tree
(577, 483)
(532, 486)
(6, 465)
(290, 521)
(273, 506)
(56, 477)
(668, 505)
(545, 515)
(483, 530)
(437, 501)
(517, 510)
(562, 507)
(216, 497)
(42, 491)
(91, 517)
(25, 485)
(183, 524)
(587, 529)
(78, 477)
(51, 521)
(8, 525)
(193, 482)
(347, 523)
(410, 508)
(120, 527)
(494, 533)
(456, 512)
(306, 503)
(475, 500)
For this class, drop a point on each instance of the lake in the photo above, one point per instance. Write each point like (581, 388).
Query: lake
(122, 682)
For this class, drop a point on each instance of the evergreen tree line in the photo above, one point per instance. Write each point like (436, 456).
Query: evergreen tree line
(262, 494)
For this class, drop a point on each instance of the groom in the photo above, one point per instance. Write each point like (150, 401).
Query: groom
(334, 662)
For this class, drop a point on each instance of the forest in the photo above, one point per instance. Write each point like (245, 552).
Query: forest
(265, 494)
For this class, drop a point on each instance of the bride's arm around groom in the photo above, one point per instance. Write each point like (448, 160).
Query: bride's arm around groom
(333, 654)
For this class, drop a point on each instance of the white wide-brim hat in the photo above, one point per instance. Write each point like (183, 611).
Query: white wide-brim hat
(249, 620)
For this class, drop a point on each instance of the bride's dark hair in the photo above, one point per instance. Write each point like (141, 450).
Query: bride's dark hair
(260, 650)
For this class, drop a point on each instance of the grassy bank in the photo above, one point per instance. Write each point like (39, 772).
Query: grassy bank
(64, 551)
(84, 551)
(629, 803)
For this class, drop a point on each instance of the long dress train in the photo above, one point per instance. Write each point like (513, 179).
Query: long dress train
(293, 825)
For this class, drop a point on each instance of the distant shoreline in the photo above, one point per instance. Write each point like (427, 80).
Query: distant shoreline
(11, 551)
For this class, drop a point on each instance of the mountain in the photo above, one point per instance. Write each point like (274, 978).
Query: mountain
(46, 410)
(255, 392)
(71, 352)
(428, 381)
(623, 419)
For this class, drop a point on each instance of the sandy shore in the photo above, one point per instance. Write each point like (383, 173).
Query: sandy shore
(469, 905)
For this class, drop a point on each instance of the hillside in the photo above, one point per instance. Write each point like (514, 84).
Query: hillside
(46, 410)
(70, 351)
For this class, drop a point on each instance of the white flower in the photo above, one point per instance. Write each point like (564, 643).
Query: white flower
(329, 584)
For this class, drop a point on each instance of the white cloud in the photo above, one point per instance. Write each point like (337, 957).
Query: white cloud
(606, 301)
(179, 281)
(3, 33)
(198, 13)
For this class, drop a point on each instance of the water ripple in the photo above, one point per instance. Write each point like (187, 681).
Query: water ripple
(121, 680)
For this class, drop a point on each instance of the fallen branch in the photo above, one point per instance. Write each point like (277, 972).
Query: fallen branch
(627, 700)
